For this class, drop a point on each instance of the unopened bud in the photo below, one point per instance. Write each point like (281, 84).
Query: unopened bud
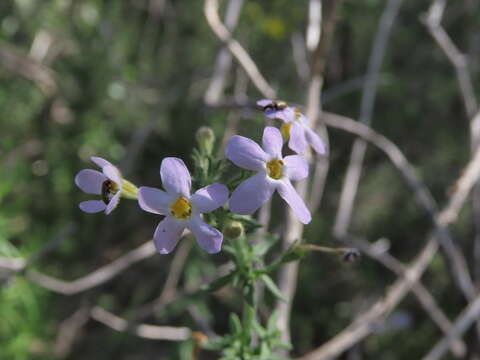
(206, 139)
(233, 229)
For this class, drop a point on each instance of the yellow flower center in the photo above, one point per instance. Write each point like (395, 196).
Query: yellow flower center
(297, 113)
(181, 208)
(285, 130)
(109, 189)
(274, 169)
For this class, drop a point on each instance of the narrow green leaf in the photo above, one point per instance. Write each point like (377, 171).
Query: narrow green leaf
(235, 324)
(264, 246)
(272, 287)
(220, 282)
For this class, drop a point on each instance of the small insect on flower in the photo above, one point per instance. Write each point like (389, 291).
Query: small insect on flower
(182, 210)
(274, 173)
(269, 106)
(109, 184)
(295, 127)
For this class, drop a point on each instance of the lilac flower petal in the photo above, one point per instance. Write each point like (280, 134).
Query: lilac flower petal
(303, 119)
(154, 200)
(315, 141)
(175, 177)
(290, 195)
(245, 153)
(209, 238)
(92, 206)
(269, 112)
(113, 174)
(251, 194)
(297, 141)
(100, 161)
(112, 204)
(264, 102)
(90, 181)
(287, 114)
(209, 198)
(272, 114)
(297, 167)
(272, 142)
(167, 234)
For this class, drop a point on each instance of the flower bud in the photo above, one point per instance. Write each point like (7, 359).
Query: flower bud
(206, 139)
(233, 229)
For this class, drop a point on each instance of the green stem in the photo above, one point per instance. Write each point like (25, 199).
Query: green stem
(249, 315)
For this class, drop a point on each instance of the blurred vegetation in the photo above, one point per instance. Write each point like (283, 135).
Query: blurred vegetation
(129, 87)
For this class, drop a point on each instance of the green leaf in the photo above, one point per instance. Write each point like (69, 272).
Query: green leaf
(264, 246)
(220, 282)
(259, 329)
(235, 324)
(229, 249)
(265, 352)
(272, 322)
(272, 287)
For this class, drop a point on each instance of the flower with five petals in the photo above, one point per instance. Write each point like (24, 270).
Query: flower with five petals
(273, 173)
(108, 183)
(181, 209)
(295, 127)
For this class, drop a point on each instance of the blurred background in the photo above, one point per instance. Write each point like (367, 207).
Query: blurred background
(131, 81)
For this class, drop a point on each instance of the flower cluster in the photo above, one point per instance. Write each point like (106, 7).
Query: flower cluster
(183, 210)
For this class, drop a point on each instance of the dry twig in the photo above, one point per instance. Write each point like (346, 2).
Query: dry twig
(357, 155)
(294, 229)
(422, 194)
(28, 68)
(210, 10)
(95, 278)
(223, 62)
(151, 332)
(364, 324)
(462, 324)
(426, 300)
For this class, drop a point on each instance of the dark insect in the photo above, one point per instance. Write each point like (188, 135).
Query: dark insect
(275, 106)
(108, 190)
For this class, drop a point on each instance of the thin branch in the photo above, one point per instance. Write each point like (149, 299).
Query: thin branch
(458, 60)
(462, 324)
(422, 194)
(287, 279)
(364, 325)
(145, 331)
(354, 170)
(169, 291)
(97, 277)
(314, 29)
(223, 61)
(299, 52)
(28, 68)
(240, 96)
(210, 10)
(426, 300)
(68, 331)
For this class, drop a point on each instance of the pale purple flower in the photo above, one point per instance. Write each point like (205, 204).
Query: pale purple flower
(273, 173)
(181, 209)
(107, 183)
(295, 126)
